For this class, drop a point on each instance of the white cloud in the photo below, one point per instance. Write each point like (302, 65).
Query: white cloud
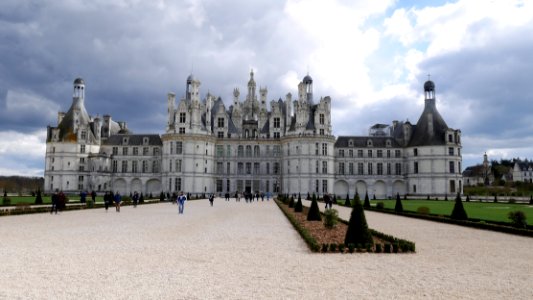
(25, 104)
(22, 154)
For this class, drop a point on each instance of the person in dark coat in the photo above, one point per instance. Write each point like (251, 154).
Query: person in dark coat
(55, 201)
(211, 199)
(107, 200)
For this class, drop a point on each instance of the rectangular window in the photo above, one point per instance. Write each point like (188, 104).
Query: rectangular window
(380, 168)
(228, 150)
(452, 186)
(317, 186)
(115, 166)
(82, 148)
(82, 160)
(220, 168)
(341, 153)
(179, 147)
(415, 152)
(83, 135)
(177, 184)
(324, 149)
(240, 168)
(341, 168)
(324, 186)
(370, 169)
(450, 151)
(350, 169)
(182, 130)
(134, 166)
(145, 150)
(389, 169)
(321, 119)
(316, 149)
(220, 150)
(397, 153)
(227, 185)
(115, 150)
(398, 169)
(248, 168)
(220, 122)
(256, 168)
(156, 151)
(155, 167)
(170, 165)
(380, 153)
(321, 132)
(219, 185)
(220, 134)
(183, 117)
(268, 168)
(178, 165)
(388, 153)
(124, 166)
(415, 169)
(324, 167)
(450, 138)
(124, 150)
(276, 135)
(171, 147)
(80, 182)
(452, 167)
(145, 166)
(359, 153)
(360, 169)
(228, 168)
(135, 151)
(81, 168)
(277, 122)
(277, 150)
(369, 153)
(276, 168)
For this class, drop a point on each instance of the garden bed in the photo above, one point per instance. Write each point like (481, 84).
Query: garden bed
(321, 239)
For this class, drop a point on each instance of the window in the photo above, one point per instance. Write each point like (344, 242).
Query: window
(220, 168)
(276, 135)
(178, 165)
(370, 170)
(397, 153)
(145, 150)
(179, 147)
(324, 186)
(369, 153)
(389, 169)
(415, 152)
(452, 167)
(228, 150)
(134, 166)
(115, 150)
(257, 153)
(155, 167)
(380, 168)
(220, 150)
(156, 152)
(220, 122)
(458, 151)
(277, 122)
(341, 168)
(321, 131)
(380, 153)
(183, 117)
(124, 166)
(415, 167)
(84, 135)
(177, 184)
(135, 151)
(316, 148)
(248, 151)
(388, 153)
(82, 160)
(341, 153)
(182, 130)
(359, 153)
(228, 185)
(277, 150)
(240, 151)
(240, 168)
(350, 153)
(317, 186)
(171, 147)
(321, 119)
(80, 182)
(268, 168)
(450, 138)
(145, 166)
(115, 166)
(359, 168)
(170, 165)
(398, 169)
(81, 168)
(220, 134)
(276, 168)
(219, 185)
(228, 168)
(124, 150)
(450, 151)
(82, 148)
(350, 168)
(324, 149)
(256, 168)
(248, 168)
(452, 186)
(324, 167)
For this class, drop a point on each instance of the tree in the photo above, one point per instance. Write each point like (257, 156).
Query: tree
(495, 198)
(334, 199)
(298, 207)
(358, 232)
(467, 198)
(314, 212)
(446, 197)
(141, 198)
(348, 202)
(291, 201)
(398, 207)
(162, 197)
(367, 201)
(308, 196)
(458, 212)
(39, 198)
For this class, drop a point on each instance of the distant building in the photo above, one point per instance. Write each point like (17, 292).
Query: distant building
(285, 146)
(480, 174)
(523, 171)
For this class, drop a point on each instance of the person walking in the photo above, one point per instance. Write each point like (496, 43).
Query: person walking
(211, 199)
(93, 196)
(117, 199)
(326, 200)
(62, 201)
(55, 201)
(227, 196)
(135, 198)
(181, 202)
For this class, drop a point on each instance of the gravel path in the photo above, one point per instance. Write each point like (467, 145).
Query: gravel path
(247, 251)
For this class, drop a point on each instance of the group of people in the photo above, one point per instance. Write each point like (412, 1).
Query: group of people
(249, 197)
(59, 201)
(109, 199)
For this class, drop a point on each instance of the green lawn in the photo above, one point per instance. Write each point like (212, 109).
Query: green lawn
(475, 210)
(46, 199)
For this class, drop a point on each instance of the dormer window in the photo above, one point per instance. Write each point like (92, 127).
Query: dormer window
(388, 143)
(145, 140)
(125, 141)
(350, 143)
(369, 143)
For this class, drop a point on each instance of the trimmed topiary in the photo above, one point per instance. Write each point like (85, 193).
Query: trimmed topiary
(162, 197)
(367, 201)
(39, 198)
(347, 203)
(334, 199)
(308, 197)
(458, 212)
(495, 198)
(291, 202)
(358, 232)
(518, 218)
(398, 207)
(331, 218)
(446, 197)
(467, 198)
(314, 212)
(141, 198)
(531, 199)
(298, 207)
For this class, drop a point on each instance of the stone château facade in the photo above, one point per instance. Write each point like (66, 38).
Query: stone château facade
(284, 146)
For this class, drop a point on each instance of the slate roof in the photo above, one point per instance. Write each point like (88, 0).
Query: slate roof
(361, 141)
(134, 140)
(430, 129)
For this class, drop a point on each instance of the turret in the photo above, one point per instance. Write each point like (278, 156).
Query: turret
(171, 100)
(308, 88)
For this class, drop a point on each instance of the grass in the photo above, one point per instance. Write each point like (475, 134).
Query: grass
(475, 210)
(46, 199)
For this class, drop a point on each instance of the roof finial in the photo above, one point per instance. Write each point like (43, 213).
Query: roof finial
(429, 76)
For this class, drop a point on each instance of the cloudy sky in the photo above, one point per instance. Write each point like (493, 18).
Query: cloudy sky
(371, 57)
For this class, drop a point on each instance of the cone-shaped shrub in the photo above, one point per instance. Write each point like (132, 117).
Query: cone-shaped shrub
(141, 198)
(308, 197)
(495, 198)
(298, 207)
(367, 201)
(314, 212)
(358, 232)
(467, 198)
(458, 212)
(162, 196)
(446, 197)
(39, 198)
(334, 199)
(291, 202)
(531, 199)
(398, 207)
(347, 202)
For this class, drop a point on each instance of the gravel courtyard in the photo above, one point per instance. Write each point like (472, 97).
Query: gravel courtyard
(237, 250)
